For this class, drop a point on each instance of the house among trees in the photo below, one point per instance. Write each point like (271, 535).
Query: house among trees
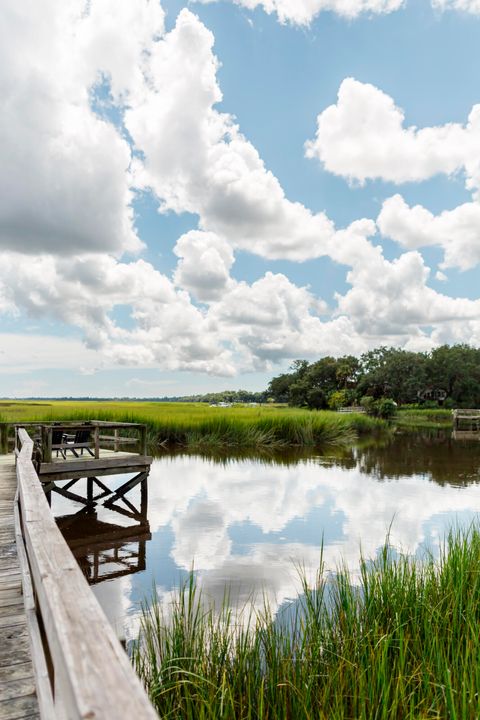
(432, 393)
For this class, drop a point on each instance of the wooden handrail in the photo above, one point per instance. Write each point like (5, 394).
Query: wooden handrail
(92, 676)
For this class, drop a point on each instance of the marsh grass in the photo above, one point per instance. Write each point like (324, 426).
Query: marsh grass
(429, 419)
(201, 426)
(404, 643)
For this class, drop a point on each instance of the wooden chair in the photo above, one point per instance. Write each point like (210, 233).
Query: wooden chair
(80, 441)
(58, 442)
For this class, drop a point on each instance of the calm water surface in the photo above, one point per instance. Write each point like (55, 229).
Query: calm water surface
(248, 523)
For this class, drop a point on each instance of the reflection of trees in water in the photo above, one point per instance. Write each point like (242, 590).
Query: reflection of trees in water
(437, 455)
(329, 456)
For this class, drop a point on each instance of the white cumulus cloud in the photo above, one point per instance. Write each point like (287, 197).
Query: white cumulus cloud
(363, 137)
(302, 12)
(199, 161)
(456, 231)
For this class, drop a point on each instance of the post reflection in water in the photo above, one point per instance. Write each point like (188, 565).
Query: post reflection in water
(106, 550)
(245, 523)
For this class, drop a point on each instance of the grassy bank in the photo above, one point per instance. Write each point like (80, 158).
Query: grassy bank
(404, 645)
(199, 425)
(423, 419)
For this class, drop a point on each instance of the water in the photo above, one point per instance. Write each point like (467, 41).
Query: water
(249, 523)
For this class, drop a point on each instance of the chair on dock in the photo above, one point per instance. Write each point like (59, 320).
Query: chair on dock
(80, 441)
(58, 442)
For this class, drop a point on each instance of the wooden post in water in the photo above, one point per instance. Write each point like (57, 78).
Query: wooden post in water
(144, 498)
(115, 443)
(90, 491)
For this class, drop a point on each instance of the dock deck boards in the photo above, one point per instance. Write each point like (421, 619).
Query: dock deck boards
(17, 682)
(110, 462)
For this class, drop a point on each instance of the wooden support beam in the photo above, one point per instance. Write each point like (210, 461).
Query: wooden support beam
(73, 496)
(126, 487)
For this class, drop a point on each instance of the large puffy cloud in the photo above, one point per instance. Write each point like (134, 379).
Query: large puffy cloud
(273, 319)
(169, 330)
(198, 161)
(392, 300)
(302, 12)
(363, 137)
(64, 170)
(456, 231)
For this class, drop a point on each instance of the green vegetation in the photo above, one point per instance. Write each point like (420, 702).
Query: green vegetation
(448, 374)
(423, 418)
(405, 644)
(198, 425)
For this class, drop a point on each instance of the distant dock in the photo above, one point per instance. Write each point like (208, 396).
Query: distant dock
(466, 420)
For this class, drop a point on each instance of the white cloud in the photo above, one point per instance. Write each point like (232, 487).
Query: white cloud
(83, 292)
(66, 217)
(456, 231)
(363, 137)
(64, 171)
(392, 299)
(202, 502)
(199, 162)
(470, 6)
(27, 353)
(204, 265)
(302, 12)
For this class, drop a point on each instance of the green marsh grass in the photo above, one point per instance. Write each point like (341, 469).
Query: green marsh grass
(199, 425)
(430, 419)
(403, 643)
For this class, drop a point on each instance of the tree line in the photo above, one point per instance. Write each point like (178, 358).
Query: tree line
(448, 376)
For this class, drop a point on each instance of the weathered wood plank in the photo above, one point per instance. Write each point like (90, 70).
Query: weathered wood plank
(40, 670)
(93, 465)
(12, 619)
(15, 646)
(93, 676)
(22, 708)
(16, 672)
(17, 683)
(20, 687)
(111, 470)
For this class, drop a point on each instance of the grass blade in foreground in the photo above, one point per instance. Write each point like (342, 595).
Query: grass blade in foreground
(405, 644)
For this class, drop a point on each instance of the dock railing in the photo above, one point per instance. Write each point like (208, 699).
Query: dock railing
(466, 416)
(103, 435)
(81, 669)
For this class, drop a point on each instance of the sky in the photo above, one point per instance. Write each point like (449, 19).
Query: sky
(194, 194)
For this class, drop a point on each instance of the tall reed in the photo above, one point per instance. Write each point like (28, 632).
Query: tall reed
(404, 643)
(201, 426)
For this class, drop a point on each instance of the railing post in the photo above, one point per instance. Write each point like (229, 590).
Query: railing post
(143, 440)
(47, 446)
(115, 443)
(96, 433)
(4, 438)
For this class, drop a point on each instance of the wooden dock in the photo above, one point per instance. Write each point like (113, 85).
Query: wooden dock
(59, 656)
(17, 680)
(466, 419)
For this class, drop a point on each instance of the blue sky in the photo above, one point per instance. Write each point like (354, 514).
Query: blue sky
(279, 236)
